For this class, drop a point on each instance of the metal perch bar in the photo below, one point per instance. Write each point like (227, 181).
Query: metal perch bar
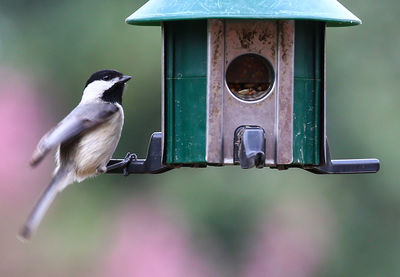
(350, 166)
(151, 165)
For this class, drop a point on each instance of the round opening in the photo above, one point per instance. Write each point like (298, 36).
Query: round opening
(250, 77)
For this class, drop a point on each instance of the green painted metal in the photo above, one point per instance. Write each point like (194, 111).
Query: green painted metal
(329, 11)
(308, 92)
(185, 92)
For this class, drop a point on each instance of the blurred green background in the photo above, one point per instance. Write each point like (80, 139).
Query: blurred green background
(194, 222)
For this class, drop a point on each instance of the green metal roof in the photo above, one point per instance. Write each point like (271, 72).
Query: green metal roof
(330, 11)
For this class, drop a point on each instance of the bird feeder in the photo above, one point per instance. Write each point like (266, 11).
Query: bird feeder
(243, 83)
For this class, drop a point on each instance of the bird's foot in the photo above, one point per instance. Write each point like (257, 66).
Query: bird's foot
(124, 164)
(101, 170)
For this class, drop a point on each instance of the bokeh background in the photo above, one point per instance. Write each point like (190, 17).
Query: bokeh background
(194, 222)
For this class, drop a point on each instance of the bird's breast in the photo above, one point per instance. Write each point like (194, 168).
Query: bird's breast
(96, 147)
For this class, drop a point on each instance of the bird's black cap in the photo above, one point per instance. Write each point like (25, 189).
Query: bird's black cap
(106, 74)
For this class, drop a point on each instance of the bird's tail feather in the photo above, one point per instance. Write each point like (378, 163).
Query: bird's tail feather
(60, 180)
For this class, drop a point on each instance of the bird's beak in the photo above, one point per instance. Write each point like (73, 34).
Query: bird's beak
(125, 79)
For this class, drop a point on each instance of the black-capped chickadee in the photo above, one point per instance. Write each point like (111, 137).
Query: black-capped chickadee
(85, 139)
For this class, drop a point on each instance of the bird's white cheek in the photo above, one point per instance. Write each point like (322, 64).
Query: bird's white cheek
(96, 89)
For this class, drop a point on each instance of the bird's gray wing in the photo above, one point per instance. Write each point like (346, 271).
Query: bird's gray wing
(81, 119)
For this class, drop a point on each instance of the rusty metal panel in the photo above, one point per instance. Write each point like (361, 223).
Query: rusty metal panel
(243, 37)
(285, 93)
(272, 111)
(215, 75)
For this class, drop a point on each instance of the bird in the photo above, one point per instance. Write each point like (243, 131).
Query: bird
(85, 140)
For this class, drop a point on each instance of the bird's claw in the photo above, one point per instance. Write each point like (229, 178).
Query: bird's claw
(124, 164)
(126, 161)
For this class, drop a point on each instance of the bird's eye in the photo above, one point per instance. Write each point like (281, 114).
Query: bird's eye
(107, 78)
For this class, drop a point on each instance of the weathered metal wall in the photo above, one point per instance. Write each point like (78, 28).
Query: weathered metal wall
(185, 67)
(272, 40)
(308, 92)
